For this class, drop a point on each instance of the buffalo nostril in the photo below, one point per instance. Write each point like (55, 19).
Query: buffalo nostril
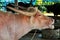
(52, 27)
(52, 21)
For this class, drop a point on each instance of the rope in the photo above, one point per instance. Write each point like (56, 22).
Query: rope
(34, 35)
(31, 20)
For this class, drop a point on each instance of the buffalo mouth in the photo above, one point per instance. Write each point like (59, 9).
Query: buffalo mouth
(52, 26)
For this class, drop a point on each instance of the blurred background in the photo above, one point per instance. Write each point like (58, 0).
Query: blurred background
(43, 5)
(49, 8)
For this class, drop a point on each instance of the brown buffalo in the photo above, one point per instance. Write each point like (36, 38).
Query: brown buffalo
(14, 26)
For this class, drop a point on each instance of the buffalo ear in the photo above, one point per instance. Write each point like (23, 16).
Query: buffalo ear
(32, 9)
(36, 7)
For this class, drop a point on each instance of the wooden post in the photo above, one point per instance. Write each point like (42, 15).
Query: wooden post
(30, 2)
(16, 3)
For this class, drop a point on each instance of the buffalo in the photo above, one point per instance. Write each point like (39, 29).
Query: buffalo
(14, 26)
